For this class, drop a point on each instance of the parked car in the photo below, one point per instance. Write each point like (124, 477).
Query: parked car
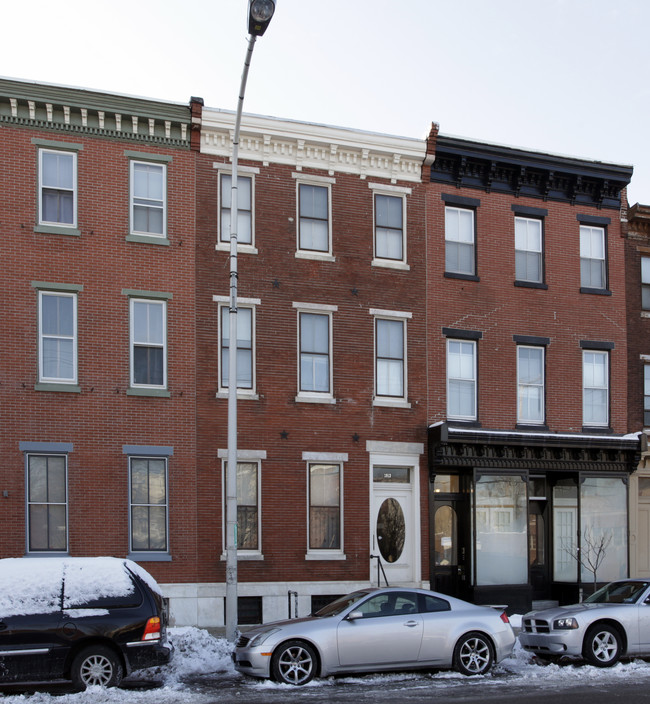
(611, 623)
(88, 620)
(375, 630)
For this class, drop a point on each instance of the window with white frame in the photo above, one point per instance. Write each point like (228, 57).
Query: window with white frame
(325, 517)
(248, 523)
(592, 257)
(459, 241)
(390, 358)
(528, 250)
(595, 388)
(389, 227)
(646, 395)
(148, 343)
(244, 208)
(530, 384)
(314, 231)
(148, 198)
(645, 283)
(57, 188)
(57, 333)
(148, 498)
(47, 503)
(245, 346)
(315, 363)
(461, 379)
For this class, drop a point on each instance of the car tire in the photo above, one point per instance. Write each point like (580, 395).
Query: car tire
(603, 646)
(96, 665)
(473, 654)
(293, 662)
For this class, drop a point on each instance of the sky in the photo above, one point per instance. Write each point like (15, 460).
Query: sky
(566, 77)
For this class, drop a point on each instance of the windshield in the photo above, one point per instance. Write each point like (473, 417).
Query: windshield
(618, 593)
(340, 604)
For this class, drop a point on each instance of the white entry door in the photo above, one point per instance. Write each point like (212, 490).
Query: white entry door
(394, 538)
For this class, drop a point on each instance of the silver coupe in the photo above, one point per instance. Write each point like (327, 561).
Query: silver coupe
(375, 630)
(611, 623)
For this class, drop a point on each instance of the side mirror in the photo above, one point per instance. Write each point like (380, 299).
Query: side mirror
(354, 615)
(647, 601)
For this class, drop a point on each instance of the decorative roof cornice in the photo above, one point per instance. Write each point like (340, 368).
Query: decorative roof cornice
(639, 220)
(500, 450)
(519, 172)
(80, 111)
(305, 145)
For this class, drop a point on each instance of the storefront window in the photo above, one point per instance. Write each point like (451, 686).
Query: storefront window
(565, 531)
(604, 534)
(501, 530)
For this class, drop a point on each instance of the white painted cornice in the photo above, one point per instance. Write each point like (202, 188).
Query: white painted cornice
(307, 145)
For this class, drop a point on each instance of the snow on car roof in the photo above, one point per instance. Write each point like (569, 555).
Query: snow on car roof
(33, 585)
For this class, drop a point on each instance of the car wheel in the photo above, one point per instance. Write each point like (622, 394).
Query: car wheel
(473, 654)
(96, 665)
(294, 662)
(602, 646)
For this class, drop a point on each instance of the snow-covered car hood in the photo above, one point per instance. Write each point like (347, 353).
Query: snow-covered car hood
(571, 610)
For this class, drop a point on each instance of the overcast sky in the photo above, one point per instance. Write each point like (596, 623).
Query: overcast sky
(562, 76)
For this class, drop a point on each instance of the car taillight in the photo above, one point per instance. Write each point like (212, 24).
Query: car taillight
(504, 617)
(152, 629)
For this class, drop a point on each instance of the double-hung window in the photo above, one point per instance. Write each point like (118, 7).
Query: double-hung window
(314, 352)
(595, 388)
(645, 283)
(314, 217)
(148, 198)
(593, 270)
(148, 497)
(390, 356)
(530, 384)
(57, 333)
(47, 503)
(460, 257)
(528, 250)
(389, 227)
(148, 343)
(461, 379)
(57, 202)
(245, 345)
(646, 395)
(244, 208)
(325, 513)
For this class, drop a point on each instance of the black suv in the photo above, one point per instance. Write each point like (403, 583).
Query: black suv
(89, 620)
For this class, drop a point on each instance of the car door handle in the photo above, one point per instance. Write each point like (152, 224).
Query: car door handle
(411, 624)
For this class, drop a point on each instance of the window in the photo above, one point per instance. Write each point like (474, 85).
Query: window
(461, 379)
(57, 333)
(528, 250)
(459, 241)
(149, 505)
(313, 218)
(244, 347)
(148, 343)
(47, 503)
(592, 257)
(148, 198)
(248, 526)
(244, 208)
(324, 506)
(595, 388)
(645, 283)
(389, 358)
(315, 362)
(389, 227)
(646, 395)
(58, 188)
(530, 384)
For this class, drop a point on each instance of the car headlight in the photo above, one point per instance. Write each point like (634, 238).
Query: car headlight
(262, 637)
(565, 624)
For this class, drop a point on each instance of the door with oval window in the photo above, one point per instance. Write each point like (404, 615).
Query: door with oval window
(392, 529)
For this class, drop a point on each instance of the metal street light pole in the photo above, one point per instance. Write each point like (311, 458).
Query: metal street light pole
(260, 13)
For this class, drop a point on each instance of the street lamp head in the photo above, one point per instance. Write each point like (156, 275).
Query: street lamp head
(260, 13)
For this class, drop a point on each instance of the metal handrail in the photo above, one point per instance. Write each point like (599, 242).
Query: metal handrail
(380, 567)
